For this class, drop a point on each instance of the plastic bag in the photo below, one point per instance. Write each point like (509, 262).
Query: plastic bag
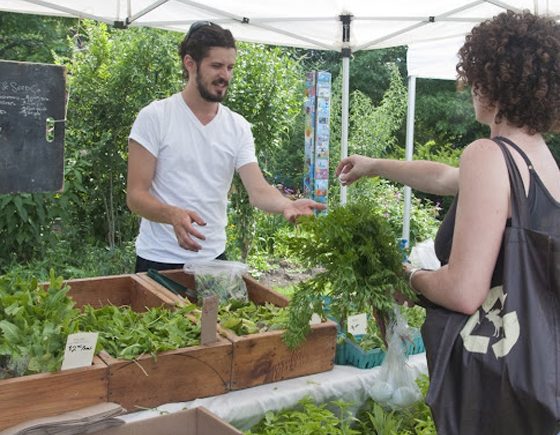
(396, 386)
(423, 255)
(219, 277)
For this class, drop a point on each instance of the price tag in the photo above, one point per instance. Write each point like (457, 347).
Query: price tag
(315, 319)
(80, 348)
(357, 324)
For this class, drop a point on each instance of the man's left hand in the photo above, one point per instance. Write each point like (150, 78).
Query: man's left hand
(301, 207)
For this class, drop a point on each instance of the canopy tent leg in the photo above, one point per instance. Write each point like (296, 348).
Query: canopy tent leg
(408, 155)
(344, 125)
(345, 52)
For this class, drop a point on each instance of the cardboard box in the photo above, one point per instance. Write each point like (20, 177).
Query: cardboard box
(196, 421)
(263, 358)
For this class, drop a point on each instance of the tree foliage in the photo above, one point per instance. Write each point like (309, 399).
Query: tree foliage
(30, 222)
(268, 90)
(33, 38)
(445, 114)
(372, 129)
(110, 79)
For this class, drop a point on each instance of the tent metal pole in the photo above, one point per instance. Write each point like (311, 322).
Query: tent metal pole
(344, 125)
(345, 52)
(408, 155)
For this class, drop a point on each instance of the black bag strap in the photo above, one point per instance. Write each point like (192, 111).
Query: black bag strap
(516, 148)
(519, 206)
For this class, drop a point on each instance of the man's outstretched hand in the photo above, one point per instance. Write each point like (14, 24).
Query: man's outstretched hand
(302, 207)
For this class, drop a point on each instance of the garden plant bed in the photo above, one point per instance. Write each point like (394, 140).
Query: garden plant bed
(263, 357)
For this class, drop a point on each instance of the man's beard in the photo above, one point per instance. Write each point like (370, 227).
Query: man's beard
(205, 92)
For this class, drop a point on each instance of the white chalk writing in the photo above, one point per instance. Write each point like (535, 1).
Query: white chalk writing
(30, 102)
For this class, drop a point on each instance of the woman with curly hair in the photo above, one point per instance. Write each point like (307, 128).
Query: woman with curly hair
(512, 64)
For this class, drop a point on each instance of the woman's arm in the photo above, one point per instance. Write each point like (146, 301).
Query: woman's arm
(482, 211)
(430, 177)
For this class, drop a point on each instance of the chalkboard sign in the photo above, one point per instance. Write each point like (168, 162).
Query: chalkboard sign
(32, 111)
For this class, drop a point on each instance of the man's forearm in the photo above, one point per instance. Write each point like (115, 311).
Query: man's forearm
(269, 199)
(145, 205)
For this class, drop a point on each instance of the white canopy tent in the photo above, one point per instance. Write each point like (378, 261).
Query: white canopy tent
(435, 59)
(346, 26)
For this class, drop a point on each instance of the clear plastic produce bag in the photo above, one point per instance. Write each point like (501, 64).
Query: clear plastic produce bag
(219, 277)
(396, 386)
(423, 255)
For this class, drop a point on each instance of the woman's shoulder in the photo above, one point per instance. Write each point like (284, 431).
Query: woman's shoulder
(482, 151)
(482, 164)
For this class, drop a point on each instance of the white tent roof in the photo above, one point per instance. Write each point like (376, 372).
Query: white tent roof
(434, 59)
(300, 23)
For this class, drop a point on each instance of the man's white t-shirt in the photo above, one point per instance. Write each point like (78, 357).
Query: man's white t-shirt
(194, 170)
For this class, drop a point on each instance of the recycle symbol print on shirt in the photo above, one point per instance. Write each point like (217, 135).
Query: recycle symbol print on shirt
(505, 326)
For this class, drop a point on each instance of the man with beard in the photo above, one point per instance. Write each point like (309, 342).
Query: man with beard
(182, 155)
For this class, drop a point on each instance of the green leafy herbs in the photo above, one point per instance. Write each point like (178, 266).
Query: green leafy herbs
(361, 263)
(336, 418)
(415, 316)
(372, 339)
(380, 421)
(248, 318)
(307, 418)
(415, 420)
(34, 325)
(126, 334)
(35, 322)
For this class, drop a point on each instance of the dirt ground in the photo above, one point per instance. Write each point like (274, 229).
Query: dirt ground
(283, 274)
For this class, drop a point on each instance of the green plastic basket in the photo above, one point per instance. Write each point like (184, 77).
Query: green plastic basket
(349, 353)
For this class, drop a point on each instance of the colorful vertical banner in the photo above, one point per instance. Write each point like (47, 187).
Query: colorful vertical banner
(317, 135)
(309, 132)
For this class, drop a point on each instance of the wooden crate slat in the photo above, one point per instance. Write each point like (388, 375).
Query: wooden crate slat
(46, 394)
(176, 376)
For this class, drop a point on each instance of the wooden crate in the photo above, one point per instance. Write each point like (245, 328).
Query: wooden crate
(179, 375)
(117, 290)
(175, 376)
(262, 358)
(47, 394)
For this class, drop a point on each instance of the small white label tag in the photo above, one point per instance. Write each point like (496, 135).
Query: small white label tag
(80, 348)
(315, 319)
(357, 324)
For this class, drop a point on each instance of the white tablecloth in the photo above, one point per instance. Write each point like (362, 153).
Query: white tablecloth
(244, 408)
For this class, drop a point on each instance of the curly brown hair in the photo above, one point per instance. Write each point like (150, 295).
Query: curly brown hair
(513, 61)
